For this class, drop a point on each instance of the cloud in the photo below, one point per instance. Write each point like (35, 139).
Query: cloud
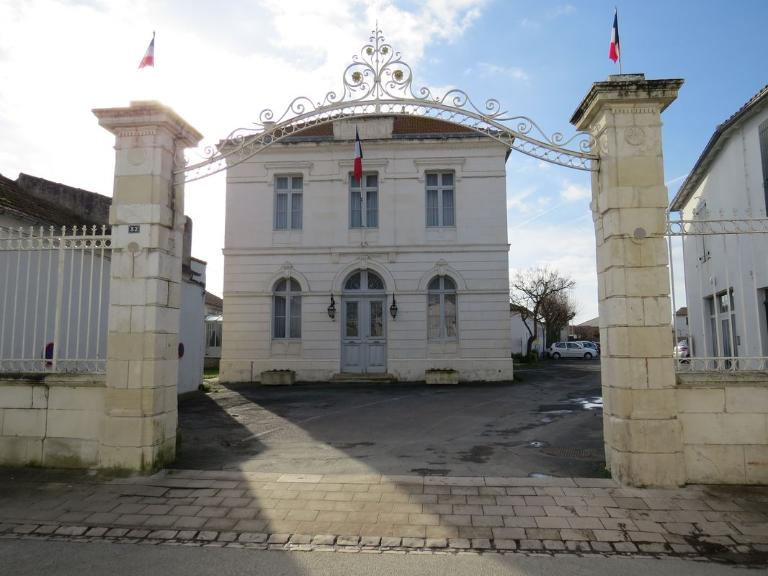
(562, 10)
(557, 12)
(519, 202)
(489, 70)
(573, 192)
(570, 251)
(217, 68)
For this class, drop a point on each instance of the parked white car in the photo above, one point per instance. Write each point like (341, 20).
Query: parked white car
(570, 350)
(682, 350)
(591, 345)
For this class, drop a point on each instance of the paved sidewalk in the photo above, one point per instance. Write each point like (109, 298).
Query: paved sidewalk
(380, 513)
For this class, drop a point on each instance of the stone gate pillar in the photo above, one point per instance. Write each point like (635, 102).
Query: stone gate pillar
(147, 218)
(643, 441)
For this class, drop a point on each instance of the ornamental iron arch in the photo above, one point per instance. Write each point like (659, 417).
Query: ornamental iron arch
(379, 82)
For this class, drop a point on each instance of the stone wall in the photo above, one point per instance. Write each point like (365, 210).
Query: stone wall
(724, 418)
(51, 420)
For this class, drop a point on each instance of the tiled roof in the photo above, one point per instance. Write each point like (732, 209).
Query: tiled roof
(702, 164)
(213, 300)
(320, 130)
(17, 200)
(24, 206)
(422, 125)
(403, 126)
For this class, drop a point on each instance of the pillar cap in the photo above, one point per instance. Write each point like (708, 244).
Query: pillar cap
(624, 88)
(143, 113)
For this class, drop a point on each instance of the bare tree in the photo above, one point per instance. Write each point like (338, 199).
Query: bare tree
(557, 310)
(530, 289)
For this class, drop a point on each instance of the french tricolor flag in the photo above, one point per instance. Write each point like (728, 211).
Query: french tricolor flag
(614, 51)
(149, 56)
(357, 171)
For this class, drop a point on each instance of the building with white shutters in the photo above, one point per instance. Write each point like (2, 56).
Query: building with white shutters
(401, 273)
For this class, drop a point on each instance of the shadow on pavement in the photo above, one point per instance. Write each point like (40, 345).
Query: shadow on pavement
(548, 424)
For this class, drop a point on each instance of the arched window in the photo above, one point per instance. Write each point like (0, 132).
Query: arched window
(286, 309)
(441, 308)
(364, 280)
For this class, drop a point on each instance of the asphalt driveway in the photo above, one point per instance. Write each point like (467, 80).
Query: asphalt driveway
(549, 423)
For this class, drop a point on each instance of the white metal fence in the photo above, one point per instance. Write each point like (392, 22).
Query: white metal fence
(54, 297)
(724, 280)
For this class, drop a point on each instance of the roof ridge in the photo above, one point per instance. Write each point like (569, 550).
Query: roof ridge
(692, 179)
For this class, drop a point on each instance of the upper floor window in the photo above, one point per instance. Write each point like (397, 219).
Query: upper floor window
(364, 201)
(764, 155)
(288, 202)
(286, 309)
(441, 308)
(440, 205)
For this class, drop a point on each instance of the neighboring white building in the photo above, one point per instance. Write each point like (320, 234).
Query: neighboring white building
(413, 266)
(191, 322)
(726, 275)
(213, 328)
(681, 324)
(521, 326)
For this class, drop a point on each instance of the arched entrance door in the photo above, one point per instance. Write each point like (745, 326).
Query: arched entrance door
(363, 324)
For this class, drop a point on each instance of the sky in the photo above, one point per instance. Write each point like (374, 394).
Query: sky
(219, 64)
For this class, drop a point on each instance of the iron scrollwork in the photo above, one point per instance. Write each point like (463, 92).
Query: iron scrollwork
(379, 82)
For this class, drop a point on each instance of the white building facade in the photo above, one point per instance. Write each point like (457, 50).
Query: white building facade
(520, 331)
(726, 275)
(403, 272)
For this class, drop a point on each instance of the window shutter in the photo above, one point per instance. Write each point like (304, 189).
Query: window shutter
(764, 155)
(281, 212)
(448, 207)
(432, 208)
(296, 202)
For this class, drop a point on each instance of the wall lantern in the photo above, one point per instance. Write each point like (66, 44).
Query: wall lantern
(393, 308)
(332, 309)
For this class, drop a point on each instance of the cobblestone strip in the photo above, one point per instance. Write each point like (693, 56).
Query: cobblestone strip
(395, 514)
(704, 548)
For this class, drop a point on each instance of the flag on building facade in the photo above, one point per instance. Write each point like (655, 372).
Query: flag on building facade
(149, 56)
(357, 171)
(614, 50)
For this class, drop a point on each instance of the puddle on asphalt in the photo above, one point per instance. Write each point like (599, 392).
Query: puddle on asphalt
(558, 409)
(537, 444)
(539, 475)
(572, 405)
(590, 402)
(476, 454)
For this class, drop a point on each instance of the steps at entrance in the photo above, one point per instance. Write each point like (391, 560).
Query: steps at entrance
(347, 378)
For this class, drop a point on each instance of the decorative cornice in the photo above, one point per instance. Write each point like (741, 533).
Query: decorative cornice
(625, 89)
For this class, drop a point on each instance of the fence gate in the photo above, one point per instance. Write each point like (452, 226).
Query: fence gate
(54, 293)
(725, 326)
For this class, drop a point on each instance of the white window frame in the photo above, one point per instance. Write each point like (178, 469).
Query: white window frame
(442, 292)
(288, 294)
(440, 188)
(363, 191)
(290, 194)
